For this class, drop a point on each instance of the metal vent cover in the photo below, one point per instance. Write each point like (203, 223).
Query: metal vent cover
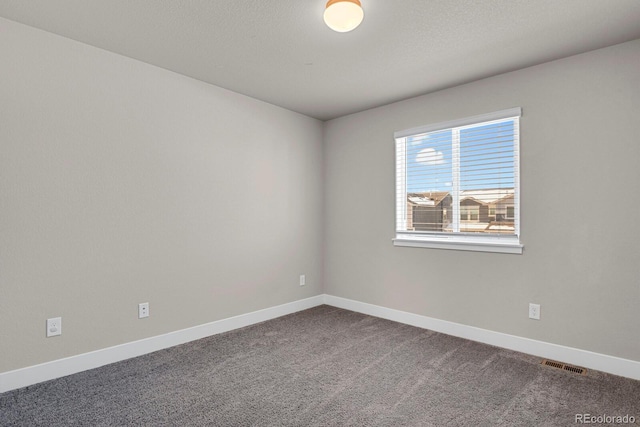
(564, 367)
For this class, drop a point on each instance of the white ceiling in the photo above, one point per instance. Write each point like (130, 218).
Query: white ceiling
(281, 52)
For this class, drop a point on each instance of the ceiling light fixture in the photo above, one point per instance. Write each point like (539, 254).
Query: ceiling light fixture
(343, 15)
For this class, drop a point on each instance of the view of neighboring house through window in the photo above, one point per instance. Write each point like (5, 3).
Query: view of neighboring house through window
(460, 178)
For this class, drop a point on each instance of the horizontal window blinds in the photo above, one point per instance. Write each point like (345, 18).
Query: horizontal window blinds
(460, 179)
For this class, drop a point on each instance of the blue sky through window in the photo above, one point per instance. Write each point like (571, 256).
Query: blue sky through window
(486, 158)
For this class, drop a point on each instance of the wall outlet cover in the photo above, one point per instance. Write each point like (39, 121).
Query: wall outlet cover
(143, 310)
(54, 327)
(534, 311)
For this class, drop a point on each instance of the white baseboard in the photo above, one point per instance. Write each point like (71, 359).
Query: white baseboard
(587, 359)
(70, 365)
(58, 368)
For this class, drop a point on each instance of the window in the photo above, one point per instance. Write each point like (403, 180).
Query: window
(492, 211)
(457, 184)
(469, 213)
(510, 212)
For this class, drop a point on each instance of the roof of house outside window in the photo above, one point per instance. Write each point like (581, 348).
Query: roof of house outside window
(487, 196)
(429, 198)
(484, 196)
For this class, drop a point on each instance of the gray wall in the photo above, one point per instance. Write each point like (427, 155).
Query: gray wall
(123, 183)
(580, 154)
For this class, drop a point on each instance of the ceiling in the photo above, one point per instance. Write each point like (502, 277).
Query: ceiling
(280, 51)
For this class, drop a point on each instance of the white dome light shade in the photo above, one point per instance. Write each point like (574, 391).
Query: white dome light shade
(343, 15)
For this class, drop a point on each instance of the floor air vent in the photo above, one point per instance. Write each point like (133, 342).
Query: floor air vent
(565, 367)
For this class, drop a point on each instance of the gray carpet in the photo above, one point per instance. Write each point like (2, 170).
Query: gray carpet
(324, 367)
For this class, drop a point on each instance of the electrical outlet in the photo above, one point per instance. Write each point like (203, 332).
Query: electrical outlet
(534, 311)
(303, 280)
(143, 310)
(54, 327)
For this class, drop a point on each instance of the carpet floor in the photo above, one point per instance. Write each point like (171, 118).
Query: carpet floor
(324, 367)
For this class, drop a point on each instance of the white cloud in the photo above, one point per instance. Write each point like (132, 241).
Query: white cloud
(430, 157)
(416, 140)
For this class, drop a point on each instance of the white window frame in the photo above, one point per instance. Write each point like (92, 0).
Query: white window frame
(456, 240)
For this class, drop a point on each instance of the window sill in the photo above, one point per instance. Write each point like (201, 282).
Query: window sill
(506, 247)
